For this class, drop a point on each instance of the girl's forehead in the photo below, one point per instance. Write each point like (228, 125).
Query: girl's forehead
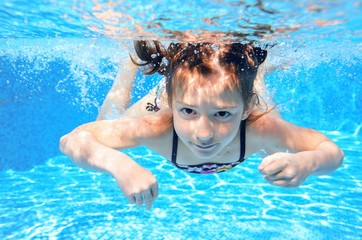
(219, 81)
(215, 89)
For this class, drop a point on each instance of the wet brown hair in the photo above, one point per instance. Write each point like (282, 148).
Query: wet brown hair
(180, 61)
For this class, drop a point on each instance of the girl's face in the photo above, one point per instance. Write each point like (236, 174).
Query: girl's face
(207, 117)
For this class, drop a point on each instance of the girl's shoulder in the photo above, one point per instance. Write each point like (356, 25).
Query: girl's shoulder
(263, 130)
(271, 126)
(260, 123)
(157, 129)
(275, 132)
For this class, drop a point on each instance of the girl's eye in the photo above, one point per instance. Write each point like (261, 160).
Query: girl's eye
(187, 111)
(222, 114)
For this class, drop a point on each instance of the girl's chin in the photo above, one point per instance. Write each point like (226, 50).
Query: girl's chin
(204, 152)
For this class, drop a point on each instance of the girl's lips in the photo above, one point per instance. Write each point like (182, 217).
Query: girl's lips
(206, 147)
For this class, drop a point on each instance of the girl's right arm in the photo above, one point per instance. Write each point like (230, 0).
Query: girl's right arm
(135, 181)
(92, 146)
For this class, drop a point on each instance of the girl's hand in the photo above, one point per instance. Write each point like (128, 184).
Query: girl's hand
(137, 184)
(284, 170)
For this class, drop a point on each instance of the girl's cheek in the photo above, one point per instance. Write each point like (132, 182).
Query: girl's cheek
(183, 126)
(186, 127)
(225, 128)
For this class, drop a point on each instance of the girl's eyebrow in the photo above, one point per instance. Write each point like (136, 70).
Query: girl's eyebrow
(217, 107)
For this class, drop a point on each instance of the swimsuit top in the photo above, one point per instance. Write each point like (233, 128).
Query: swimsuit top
(207, 168)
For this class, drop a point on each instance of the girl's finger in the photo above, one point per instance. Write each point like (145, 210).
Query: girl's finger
(148, 199)
(280, 182)
(139, 200)
(273, 168)
(154, 191)
(131, 199)
(280, 176)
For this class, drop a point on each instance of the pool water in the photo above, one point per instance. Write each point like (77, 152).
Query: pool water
(55, 73)
(58, 200)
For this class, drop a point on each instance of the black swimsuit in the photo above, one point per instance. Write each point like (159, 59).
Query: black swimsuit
(206, 168)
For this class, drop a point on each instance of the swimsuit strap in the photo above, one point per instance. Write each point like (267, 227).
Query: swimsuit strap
(242, 140)
(242, 144)
(174, 147)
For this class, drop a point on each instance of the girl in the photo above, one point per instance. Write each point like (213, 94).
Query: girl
(211, 124)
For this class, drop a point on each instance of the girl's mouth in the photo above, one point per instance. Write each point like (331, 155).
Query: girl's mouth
(204, 147)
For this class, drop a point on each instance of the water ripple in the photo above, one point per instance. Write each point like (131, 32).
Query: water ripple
(239, 20)
(57, 199)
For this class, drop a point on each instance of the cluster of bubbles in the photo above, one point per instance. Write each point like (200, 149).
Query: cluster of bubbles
(84, 78)
(80, 77)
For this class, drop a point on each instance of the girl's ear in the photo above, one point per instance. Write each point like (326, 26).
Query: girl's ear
(249, 107)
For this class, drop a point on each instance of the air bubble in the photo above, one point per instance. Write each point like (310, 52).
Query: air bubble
(164, 61)
(153, 55)
(215, 46)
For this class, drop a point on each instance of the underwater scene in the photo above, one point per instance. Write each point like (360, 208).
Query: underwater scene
(59, 59)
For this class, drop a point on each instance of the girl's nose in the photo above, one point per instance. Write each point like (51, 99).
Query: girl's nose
(205, 140)
(205, 131)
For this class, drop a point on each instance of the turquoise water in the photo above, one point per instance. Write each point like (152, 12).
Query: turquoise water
(58, 200)
(59, 58)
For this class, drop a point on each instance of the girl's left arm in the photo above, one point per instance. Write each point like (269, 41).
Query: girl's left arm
(308, 152)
